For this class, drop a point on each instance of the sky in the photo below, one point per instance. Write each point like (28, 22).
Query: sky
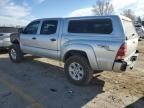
(21, 12)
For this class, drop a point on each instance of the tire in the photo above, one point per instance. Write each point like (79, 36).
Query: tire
(71, 66)
(15, 53)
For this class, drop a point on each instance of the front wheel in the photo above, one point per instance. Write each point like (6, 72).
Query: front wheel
(15, 53)
(78, 70)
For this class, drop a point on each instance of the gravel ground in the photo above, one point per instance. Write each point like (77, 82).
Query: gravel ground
(35, 83)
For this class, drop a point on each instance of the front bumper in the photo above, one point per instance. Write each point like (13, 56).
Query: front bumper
(121, 66)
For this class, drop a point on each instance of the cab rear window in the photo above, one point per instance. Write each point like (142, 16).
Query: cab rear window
(93, 26)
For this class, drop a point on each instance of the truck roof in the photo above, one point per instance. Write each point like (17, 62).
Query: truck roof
(85, 17)
(120, 16)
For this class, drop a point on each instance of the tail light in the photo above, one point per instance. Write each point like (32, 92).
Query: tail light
(121, 52)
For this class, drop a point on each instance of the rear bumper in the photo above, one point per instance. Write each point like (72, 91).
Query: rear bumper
(5, 42)
(121, 66)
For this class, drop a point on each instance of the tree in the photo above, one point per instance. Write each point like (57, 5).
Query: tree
(103, 7)
(130, 14)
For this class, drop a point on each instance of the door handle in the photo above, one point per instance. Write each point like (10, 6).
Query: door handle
(34, 38)
(53, 39)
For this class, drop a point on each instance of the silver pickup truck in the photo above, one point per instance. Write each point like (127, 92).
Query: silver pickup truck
(84, 44)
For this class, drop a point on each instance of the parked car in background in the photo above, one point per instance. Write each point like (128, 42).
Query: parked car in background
(140, 30)
(5, 33)
(84, 44)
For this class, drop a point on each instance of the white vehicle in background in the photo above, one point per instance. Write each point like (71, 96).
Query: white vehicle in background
(5, 33)
(140, 30)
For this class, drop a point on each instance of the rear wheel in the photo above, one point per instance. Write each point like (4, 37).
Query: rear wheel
(78, 70)
(15, 53)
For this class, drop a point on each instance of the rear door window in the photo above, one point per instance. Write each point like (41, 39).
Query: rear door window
(49, 27)
(93, 26)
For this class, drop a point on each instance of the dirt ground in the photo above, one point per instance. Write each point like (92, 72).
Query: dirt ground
(35, 83)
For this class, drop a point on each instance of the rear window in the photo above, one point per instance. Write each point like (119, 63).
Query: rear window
(129, 28)
(94, 26)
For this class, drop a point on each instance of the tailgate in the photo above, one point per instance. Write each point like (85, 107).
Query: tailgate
(131, 37)
(131, 46)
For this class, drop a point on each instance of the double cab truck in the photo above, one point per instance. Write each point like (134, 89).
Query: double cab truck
(84, 44)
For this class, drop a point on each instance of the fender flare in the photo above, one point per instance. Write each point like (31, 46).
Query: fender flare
(84, 48)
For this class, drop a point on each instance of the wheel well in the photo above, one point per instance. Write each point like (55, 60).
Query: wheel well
(15, 42)
(74, 52)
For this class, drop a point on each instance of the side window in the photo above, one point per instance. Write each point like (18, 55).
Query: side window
(49, 27)
(93, 26)
(32, 28)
